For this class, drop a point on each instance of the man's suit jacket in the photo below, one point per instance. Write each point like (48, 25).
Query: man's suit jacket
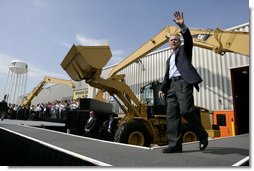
(183, 57)
(113, 125)
(3, 106)
(92, 126)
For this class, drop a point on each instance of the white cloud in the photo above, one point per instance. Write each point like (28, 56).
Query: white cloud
(117, 53)
(36, 75)
(83, 40)
(117, 56)
(35, 72)
(39, 3)
(68, 45)
(5, 63)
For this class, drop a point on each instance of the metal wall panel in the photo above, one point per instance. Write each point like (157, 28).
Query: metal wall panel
(150, 68)
(216, 89)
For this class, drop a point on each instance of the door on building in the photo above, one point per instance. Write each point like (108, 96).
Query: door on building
(240, 91)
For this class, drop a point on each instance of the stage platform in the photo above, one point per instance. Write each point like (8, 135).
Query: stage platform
(31, 123)
(221, 152)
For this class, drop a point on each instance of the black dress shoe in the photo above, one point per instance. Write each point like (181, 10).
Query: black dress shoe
(203, 143)
(172, 150)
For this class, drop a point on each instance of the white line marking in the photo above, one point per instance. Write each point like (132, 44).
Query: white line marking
(242, 161)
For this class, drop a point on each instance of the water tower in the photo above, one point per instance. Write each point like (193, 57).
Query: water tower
(16, 82)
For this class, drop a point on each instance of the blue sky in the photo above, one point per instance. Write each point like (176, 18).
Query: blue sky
(41, 32)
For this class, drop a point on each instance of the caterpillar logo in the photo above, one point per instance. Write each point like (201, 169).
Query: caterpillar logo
(201, 37)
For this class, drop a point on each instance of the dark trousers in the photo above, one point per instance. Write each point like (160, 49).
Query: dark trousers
(180, 102)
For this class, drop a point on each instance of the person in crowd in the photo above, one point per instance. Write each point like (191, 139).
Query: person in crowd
(108, 129)
(3, 109)
(91, 125)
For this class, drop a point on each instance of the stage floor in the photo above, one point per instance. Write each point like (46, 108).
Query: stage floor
(220, 152)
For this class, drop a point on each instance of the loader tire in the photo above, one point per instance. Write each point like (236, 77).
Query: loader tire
(133, 132)
(189, 133)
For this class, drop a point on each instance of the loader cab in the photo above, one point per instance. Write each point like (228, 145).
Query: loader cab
(149, 95)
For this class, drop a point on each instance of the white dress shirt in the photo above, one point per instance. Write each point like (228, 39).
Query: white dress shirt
(173, 71)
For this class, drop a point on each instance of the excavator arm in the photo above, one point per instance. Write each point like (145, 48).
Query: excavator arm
(27, 100)
(217, 40)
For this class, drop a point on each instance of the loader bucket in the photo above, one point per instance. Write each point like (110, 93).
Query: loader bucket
(82, 62)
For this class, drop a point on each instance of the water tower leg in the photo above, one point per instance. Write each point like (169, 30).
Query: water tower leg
(6, 84)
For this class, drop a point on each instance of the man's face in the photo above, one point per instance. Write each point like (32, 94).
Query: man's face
(91, 114)
(174, 42)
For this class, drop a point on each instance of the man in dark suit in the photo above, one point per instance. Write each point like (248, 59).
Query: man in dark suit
(108, 129)
(91, 126)
(179, 80)
(3, 108)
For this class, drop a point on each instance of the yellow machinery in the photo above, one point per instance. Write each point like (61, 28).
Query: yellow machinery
(143, 124)
(219, 41)
(27, 100)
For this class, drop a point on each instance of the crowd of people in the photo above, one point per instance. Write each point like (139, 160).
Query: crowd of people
(56, 109)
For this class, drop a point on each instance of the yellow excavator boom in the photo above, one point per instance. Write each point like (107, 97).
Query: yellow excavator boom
(27, 100)
(217, 40)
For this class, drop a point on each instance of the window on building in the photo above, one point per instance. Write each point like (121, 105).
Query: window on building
(221, 119)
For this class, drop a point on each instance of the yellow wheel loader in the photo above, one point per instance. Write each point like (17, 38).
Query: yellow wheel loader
(144, 121)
